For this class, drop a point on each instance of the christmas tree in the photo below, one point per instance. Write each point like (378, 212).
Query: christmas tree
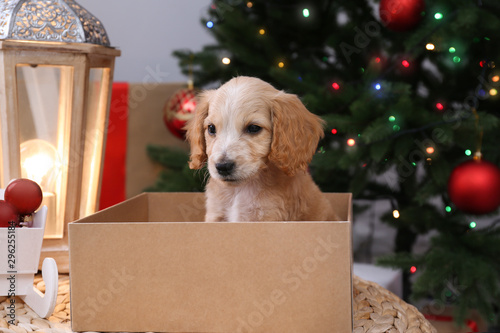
(409, 91)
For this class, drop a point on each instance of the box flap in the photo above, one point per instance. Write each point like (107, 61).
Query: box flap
(184, 207)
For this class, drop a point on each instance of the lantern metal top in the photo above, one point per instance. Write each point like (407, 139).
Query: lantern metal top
(50, 21)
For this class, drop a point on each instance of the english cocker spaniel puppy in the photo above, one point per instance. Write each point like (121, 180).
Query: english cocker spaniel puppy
(257, 143)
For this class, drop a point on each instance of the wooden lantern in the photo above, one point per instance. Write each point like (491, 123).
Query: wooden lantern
(56, 70)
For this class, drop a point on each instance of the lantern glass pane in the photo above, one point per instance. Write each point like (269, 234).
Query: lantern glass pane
(43, 104)
(96, 116)
(38, 100)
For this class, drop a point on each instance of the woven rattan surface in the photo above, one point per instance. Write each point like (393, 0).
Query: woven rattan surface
(27, 321)
(376, 310)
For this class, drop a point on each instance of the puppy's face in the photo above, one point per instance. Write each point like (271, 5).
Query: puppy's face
(246, 125)
(238, 131)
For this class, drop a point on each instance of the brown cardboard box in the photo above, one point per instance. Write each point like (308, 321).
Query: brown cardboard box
(145, 127)
(147, 265)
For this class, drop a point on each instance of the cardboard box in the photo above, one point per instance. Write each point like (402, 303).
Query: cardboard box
(148, 265)
(145, 127)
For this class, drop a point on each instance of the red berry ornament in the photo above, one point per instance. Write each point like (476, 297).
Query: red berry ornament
(24, 194)
(8, 213)
(474, 187)
(401, 15)
(178, 110)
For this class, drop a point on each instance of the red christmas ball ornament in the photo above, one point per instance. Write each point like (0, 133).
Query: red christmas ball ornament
(474, 186)
(178, 110)
(8, 213)
(401, 15)
(24, 194)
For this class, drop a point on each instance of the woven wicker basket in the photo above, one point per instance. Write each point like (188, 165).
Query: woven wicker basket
(377, 310)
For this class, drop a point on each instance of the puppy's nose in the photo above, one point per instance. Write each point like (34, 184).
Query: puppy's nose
(225, 168)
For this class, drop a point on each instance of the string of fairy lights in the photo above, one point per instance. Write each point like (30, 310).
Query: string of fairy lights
(440, 105)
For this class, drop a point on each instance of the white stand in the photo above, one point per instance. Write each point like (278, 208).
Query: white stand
(19, 256)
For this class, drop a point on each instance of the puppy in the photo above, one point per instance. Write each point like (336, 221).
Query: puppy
(257, 143)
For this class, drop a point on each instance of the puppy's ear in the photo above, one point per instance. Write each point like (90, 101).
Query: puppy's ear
(296, 133)
(195, 132)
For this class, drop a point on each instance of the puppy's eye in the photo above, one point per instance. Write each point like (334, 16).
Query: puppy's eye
(253, 129)
(211, 129)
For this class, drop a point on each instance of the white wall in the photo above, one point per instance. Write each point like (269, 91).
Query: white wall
(147, 32)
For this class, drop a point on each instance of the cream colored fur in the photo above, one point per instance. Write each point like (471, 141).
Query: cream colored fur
(268, 180)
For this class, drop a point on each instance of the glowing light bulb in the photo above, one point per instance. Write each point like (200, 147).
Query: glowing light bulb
(395, 214)
(334, 131)
(413, 269)
(447, 209)
(493, 92)
(377, 60)
(456, 59)
(468, 152)
(405, 63)
(378, 86)
(335, 86)
(38, 166)
(351, 142)
(305, 12)
(430, 46)
(430, 150)
(495, 78)
(452, 50)
(249, 4)
(396, 128)
(440, 106)
(262, 31)
(472, 225)
(41, 163)
(210, 24)
(438, 16)
(392, 118)
(281, 64)
(226, 61)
